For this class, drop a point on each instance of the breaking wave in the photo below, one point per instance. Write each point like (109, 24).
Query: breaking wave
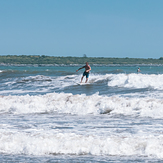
(82, 105)
(137, 81)
(43, 143)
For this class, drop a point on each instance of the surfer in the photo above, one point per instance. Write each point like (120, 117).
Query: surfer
(138, 70)
(86, 72)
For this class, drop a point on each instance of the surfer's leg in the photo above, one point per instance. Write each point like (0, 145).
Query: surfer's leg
(83, 76)
(87, 75)
(86, 80)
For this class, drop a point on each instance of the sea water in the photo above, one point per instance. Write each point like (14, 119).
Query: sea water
(46, 116)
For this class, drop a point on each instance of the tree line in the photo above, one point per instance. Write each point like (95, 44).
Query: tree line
(37, 59)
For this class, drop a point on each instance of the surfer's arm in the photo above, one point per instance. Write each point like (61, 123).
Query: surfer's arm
(80, 68)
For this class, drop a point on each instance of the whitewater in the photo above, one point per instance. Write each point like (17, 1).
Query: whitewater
(46, 116)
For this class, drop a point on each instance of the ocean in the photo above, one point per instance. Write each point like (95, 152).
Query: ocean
(47, 116)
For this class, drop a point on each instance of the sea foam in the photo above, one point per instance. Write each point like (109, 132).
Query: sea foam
(43, 143)
(68, 103)
(136, 81)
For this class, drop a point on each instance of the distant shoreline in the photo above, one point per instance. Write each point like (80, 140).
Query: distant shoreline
(97, 61)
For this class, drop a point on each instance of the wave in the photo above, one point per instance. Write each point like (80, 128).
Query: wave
(51, 82)
(67, 79)
(43, 143)
(137, 81)
(114, 80)
(8, 71)
(36, 78)
(67, 103)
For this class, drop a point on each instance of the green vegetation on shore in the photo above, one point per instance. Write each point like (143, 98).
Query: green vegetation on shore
(36, 59)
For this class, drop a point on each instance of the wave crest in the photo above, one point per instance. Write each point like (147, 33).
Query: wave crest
(82, 105)
(137, 81)
(70, 143)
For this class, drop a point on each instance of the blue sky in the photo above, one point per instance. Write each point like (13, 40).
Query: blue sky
(97, 28)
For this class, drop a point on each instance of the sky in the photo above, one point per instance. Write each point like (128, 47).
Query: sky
(97, 28)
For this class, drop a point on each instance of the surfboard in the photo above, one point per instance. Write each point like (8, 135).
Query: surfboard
(83, 83)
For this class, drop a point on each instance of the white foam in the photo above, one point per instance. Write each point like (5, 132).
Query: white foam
(39, 83)
(82, 105)
(36, 83)
(62, 81)
(43, 143)
(97, 77)
(52, 82)
(136, 81)
(69, 80)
